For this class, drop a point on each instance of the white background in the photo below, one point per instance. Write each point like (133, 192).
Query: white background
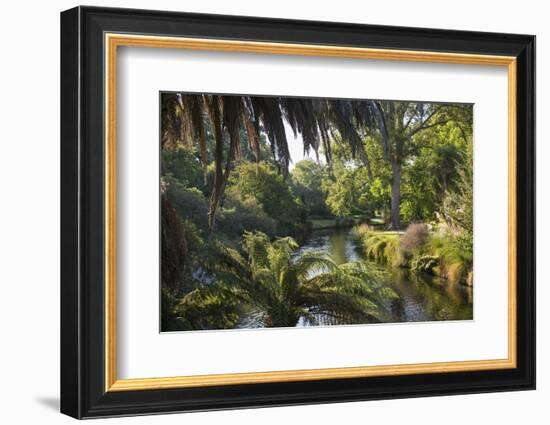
(192, 353)
(29, 224)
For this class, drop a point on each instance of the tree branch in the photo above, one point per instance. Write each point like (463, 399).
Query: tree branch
(425, 127)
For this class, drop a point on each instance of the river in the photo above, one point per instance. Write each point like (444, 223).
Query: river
(423, 297)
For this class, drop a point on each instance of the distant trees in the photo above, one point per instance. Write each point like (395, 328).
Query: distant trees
(261, 183)
(193, 120)
(307, 177)
(225, 130)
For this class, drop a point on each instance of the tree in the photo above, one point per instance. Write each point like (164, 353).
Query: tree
(263, 184)
(398, 123)
(174, 247)
(279, 291)
(344, 193)
(395, 124)
(182, 165)
(431, 172)
(307, 176)
(189, 120)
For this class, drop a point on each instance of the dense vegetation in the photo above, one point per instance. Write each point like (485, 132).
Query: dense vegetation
(235, 208)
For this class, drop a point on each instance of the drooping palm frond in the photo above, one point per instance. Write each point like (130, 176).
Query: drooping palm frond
(192, 107)
(206, 308)
(313, 260)
(351, 292)
(252, 127)
(171, 121)
(342, 114)
(183, 123)
(268, 111)
(301, 114)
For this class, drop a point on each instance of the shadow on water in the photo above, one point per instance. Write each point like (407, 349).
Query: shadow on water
(423, 297)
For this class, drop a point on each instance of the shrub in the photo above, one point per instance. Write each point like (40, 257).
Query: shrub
(415, 237)
(183, 166)
(190, 204)
(425, 263)
(262, 184)
(361, 230)
(381, 247)
(411, 243)
(238, 217)
(455, 254)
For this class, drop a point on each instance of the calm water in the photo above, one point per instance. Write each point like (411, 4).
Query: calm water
(423, 297)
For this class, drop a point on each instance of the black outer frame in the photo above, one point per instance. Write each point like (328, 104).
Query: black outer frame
(82, 212)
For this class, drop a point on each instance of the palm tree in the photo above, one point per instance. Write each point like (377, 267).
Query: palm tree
(188, 118)
(276, 289)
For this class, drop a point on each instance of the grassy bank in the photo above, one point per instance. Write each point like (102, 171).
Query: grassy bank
(320, 223)
(419, 248)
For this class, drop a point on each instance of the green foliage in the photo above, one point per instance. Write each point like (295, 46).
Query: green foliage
(238, 217)
(431, 172)
(190, 203)
(361, 230)
(425, 263)
(381, 246)
(168, 315)
(458, 206)
(207, 308)
(183, 166)
(174, 246)
(380, 194)
(261, 183)
(349, 193)
(455, 253)
(224, 160)
(306, 177)
(277, 290)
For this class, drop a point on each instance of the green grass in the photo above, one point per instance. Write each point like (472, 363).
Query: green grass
(319, 223)
(380, 246)
(322, 223)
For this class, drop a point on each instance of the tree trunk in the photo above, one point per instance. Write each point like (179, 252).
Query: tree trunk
(395, 195)
(218, 161)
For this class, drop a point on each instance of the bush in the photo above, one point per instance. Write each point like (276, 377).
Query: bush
(425, 263)
(415, 237)
(237, 217)
(361, 230)
(182, 165)
(262, 184)
(381, 247)
(455, 254)
(190, 204)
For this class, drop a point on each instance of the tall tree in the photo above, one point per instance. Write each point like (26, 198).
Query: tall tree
(398, 123)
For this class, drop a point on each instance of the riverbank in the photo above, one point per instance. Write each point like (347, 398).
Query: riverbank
(420, 249)
(324, 223)
(423, 296)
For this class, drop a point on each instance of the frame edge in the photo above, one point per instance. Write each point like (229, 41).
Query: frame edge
(70, 349)
(79, 390)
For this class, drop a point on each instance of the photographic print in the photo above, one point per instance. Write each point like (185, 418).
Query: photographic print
(292, 211)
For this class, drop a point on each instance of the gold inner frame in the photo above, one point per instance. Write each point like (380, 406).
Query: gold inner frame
(113, 41)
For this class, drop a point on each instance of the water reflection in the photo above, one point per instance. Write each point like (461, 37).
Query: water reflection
(423, 297)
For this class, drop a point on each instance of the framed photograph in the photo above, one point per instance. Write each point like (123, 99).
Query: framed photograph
(261, 212)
